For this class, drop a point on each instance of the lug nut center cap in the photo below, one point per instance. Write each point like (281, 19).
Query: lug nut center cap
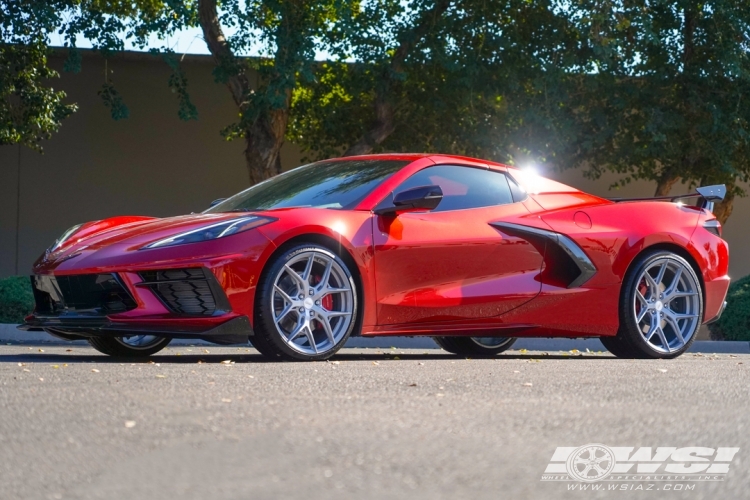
(308, 303)
(659, 305)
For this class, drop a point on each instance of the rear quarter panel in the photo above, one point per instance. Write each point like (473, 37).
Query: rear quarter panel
(618, 232)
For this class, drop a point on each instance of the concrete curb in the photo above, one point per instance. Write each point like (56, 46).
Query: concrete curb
(9, 334)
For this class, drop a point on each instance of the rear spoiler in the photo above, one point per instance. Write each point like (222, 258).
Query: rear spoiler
(709, 195)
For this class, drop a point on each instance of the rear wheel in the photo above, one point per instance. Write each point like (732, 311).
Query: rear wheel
(475, 346)
(132, 346)
(661, 308)
(306, 305)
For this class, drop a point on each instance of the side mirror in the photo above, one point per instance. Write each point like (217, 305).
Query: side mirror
(418, 198)
(216, 202)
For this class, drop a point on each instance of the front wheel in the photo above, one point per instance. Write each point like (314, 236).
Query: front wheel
(306, 305)
(661, 308)
(475, 346)
(130, 346)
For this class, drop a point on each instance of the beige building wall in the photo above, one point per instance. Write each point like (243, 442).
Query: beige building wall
(154, 164)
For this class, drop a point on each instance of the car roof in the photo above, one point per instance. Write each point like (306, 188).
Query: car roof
(419, 156)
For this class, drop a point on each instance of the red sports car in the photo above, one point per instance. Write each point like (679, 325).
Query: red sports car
(470, 252)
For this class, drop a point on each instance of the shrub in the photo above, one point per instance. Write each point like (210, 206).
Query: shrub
(735, 322)
(16, 299)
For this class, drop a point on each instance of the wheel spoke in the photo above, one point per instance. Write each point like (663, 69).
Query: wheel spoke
(283, 313)
(641, 298)
(326, 276)
(307, 271)
(654, 326)
(653, 287)
(327, 327)
(641, 314)
(674, 295)
(283, 294)
(663, 339)
(336, 314)
(660, 275)
(675, 324)
(675, 283)
(301, 285)
(311, 339)
(296, 332)
(683, 316)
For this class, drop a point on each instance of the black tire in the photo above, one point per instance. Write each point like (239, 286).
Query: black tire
(629, 341)
(267, 339)
(115, 347)
(617, 347)
(469, 346)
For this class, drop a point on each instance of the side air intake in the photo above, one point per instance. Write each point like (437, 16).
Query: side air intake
(565, 263)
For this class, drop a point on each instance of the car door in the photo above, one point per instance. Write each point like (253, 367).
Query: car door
(450, 264)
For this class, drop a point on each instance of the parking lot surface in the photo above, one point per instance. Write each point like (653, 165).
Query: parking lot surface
(207, 422)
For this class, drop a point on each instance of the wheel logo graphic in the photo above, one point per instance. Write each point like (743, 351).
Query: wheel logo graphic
(591, 462)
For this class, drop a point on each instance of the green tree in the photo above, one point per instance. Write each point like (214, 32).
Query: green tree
(287, 31)
(464, 77)
(30, 110)
(663, 96)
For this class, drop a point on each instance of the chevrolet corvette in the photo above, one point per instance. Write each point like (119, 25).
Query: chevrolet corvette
(472, 253)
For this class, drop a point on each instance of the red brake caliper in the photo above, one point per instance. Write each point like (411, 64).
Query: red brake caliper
(644, 291)
(327, 301)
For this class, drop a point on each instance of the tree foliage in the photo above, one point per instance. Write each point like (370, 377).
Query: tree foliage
(663, 95)
(648, 89)
(478, 78)
(286, 31)
(30, 111)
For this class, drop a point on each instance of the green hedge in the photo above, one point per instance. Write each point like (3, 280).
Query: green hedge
(16, 299)
(735, 322)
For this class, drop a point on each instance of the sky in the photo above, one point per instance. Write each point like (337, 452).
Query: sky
(188, 41)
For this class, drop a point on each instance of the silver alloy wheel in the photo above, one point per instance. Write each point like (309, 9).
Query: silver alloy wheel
(313, 302)
(492, 341)
(665, 305)
(139, 341)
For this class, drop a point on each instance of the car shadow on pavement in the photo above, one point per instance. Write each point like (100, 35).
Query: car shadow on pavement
(219, 358)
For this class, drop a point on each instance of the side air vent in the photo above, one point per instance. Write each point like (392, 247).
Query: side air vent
(190, 291)
(565, 263)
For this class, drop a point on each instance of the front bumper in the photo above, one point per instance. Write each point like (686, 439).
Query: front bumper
(174, 303)
(236, 330)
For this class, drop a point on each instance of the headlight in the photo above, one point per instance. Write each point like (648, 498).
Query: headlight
(62, 239)
(212, 232)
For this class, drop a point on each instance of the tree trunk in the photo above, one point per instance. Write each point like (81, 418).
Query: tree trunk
(383, 127)
(263, 142)
(265, 136)
(384, 123)
(723, 209)
(665, 183)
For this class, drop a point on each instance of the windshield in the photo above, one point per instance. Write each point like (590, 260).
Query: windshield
(338, 184)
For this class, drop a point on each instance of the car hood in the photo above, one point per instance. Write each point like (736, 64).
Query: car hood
(123, 235)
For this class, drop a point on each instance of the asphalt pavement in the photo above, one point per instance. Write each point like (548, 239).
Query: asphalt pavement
(207, 422)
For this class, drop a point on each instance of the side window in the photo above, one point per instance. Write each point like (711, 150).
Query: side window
(463, 187)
